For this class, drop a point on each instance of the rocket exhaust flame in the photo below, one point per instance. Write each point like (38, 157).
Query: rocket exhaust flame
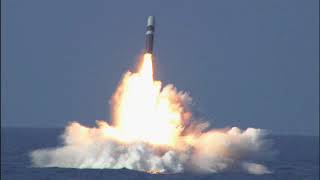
(153, 131)
(140, 103)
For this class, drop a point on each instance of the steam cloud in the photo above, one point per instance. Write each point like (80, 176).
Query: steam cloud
(212, 151)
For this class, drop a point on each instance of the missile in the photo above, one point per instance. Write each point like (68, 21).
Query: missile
(149, 35)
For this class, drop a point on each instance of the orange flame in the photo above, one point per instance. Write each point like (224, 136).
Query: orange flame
(142, 112)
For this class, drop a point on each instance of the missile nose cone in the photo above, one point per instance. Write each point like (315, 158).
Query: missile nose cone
(151, 21)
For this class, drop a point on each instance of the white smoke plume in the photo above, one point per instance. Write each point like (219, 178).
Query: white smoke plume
(154, 131)
(211, 151)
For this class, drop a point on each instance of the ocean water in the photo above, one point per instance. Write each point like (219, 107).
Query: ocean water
(297, 159)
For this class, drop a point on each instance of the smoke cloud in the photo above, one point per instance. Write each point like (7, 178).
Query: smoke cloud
(154, 131)
(197, 149)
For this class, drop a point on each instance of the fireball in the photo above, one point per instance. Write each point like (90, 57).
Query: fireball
(143, 111)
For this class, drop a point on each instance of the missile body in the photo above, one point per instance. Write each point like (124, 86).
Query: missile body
(149, 35)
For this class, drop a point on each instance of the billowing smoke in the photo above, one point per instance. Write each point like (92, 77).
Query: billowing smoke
(154, 131)
(211, 151)
(214, 151)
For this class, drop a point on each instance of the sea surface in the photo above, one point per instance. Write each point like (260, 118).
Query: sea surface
(297, 159)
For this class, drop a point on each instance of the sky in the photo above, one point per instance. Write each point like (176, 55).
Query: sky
(245, 63)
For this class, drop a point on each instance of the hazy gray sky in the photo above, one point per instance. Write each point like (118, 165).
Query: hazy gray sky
(245, 63)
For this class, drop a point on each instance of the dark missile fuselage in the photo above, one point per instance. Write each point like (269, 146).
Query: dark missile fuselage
(150, 34)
